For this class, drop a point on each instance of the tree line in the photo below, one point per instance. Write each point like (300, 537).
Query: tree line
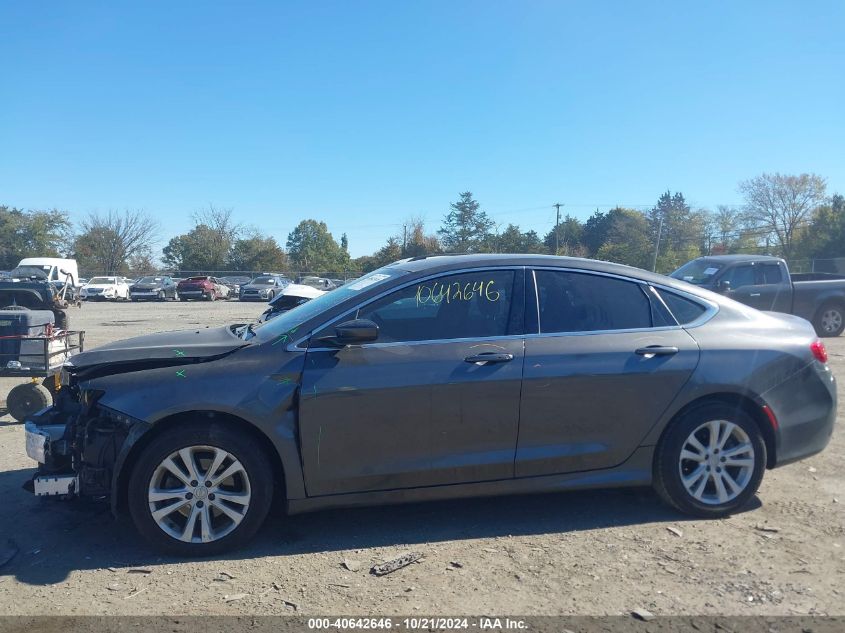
(787, 215)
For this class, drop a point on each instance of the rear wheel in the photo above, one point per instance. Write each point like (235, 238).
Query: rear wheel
(27, 399)
(710, 462)
(830, 320)
(200, 489)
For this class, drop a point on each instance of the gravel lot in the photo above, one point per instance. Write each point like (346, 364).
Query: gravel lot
(605, 552)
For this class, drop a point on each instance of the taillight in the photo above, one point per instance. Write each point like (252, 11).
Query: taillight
(819, 351)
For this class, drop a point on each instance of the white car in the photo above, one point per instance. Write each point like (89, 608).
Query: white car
(113, 288)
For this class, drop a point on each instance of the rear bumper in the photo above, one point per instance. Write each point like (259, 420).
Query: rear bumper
(805, 407)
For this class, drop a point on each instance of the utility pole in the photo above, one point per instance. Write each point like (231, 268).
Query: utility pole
(557, 206)
(657, 246)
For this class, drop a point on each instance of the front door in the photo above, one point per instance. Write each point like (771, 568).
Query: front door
(434, 400)
(603, 367)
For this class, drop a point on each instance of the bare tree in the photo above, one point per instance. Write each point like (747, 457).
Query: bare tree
(109, 241)
(224, 232)
(783, 203)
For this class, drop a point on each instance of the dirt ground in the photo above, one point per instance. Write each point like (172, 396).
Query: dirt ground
(598, 552)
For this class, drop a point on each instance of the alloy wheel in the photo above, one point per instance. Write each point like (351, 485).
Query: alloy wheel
(199, 494)
(716, 462)
(831, 320)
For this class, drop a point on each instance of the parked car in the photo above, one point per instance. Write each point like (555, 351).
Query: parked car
(291, 296)
(439, 377)
(111, 288)
(264, 287)
(765, 283)
(153, 288)
(234, 284)
(4, 274)
(201, 287)
(320, 283)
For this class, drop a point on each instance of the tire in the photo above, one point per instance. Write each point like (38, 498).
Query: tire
(26, 399)
(668, 464)
(200, 439)
(49, 383)
(62, 321)
(830, 320)
(270, 296)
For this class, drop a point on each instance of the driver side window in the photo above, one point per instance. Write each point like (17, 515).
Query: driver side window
(741, 276)
(464, 305)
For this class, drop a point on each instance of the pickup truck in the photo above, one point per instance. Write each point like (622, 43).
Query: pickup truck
(764, 282)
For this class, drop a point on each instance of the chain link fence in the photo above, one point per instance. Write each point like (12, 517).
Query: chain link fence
(181, 274)
(834, 265)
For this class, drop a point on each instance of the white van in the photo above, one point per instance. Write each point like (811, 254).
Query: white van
(52, 269)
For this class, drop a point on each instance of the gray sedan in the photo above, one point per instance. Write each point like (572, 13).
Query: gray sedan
(439, 377)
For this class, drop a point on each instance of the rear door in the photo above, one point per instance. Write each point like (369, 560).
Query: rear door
(605, 361)
(773, 289)
(435, 400)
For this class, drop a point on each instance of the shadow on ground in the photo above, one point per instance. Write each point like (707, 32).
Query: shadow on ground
(54, 538)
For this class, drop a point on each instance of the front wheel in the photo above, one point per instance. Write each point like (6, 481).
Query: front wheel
(200, 489)
(830, 320)
(710, 462)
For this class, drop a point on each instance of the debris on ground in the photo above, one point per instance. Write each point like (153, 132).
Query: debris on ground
(139, 570)
(643, 614)
(674, 531)
(396, 563)
(351, 565)
(766, 528)
(455, 564)
(292, 605)
(234, 596)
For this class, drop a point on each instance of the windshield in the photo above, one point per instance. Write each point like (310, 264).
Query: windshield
(150, 280)
(25, 272)
(102, 280)
(314, 282)
(287, 323)
(263, 281)
(698, 271)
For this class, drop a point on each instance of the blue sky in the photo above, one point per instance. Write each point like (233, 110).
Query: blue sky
(362, 114)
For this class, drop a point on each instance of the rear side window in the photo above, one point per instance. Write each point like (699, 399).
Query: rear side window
(771, 274)
(684, 310)
(582, 302)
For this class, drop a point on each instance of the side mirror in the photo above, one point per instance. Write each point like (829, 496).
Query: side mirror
(356, 332)
(725, 285)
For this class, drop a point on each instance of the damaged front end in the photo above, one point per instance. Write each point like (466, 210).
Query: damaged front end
(76, 443)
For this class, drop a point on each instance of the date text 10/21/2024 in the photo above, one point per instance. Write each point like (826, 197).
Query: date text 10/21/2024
(438, 292)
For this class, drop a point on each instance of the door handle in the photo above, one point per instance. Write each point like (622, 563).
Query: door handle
(754, 294)
(656, 350)
(489, 357)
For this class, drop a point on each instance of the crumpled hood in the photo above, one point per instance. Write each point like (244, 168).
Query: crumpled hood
(165, 348)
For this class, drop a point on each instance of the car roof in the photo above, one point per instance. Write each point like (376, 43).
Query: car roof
(436, 263)
(741, 258)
